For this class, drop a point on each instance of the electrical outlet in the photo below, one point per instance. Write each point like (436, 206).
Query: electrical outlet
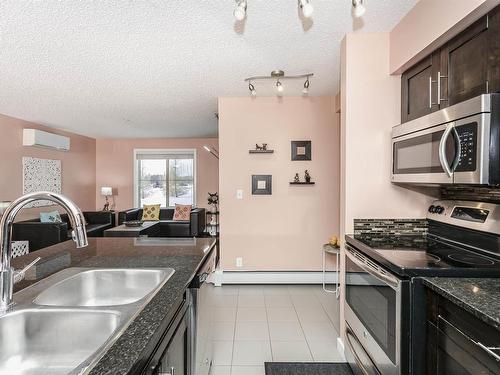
(239, 262)
(239, 194)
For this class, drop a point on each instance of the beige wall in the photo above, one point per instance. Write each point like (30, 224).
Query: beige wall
(115, 167)
(78, 164)
(284, 231)
(428, 25)
(370, 107)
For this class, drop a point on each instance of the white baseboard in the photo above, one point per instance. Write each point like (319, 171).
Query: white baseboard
(220, 277)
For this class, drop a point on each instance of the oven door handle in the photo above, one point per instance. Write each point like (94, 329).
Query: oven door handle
(442, 150)
(384, 277)
(350, 334)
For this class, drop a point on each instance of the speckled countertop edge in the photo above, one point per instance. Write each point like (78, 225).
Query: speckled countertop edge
(481, 297)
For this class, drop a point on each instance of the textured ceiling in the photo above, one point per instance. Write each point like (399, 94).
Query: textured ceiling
(139, 68)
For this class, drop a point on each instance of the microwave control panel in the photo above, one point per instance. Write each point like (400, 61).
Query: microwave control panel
(468, 147)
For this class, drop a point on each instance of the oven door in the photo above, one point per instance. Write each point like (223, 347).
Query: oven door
(426, 156)
(373, 316)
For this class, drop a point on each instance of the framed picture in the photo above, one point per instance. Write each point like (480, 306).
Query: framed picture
(262, 184)
(301, 150)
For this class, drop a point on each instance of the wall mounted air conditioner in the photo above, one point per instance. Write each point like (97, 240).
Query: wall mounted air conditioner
(39, 138)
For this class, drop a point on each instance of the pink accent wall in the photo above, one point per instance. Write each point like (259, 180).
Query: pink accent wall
(284, 231)
(78, 165)
(370, 103)
(428, 25)
(115, 167)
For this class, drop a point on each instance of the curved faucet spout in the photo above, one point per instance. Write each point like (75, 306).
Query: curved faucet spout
(76, 219)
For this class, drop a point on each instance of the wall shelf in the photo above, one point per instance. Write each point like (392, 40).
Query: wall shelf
(302, 183)
(261, 151)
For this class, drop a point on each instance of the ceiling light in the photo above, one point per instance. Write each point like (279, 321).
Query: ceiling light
(358, 8)
(305, 90)
(251, 87)
(279, 88)
(306, 7)
(240, 12)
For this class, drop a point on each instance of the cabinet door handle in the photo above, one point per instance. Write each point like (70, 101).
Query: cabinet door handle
(430, 92)
(439, 88)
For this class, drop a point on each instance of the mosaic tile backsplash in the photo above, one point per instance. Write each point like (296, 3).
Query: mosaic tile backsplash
(390, 226)
(471, 193)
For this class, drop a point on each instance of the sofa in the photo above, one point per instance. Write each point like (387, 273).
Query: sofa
(40, 235)
(167, 227)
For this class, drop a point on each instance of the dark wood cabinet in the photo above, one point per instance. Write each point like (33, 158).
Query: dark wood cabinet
(456, 340)
(465, 63)
(466, 66)
(418, 89)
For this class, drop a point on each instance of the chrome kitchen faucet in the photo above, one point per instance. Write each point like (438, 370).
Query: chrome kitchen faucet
(8, 276)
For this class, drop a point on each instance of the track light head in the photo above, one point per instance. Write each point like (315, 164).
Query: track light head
(252, 90)
(358, 8)
(279, 88)
(240, 12)
(305, 90)
(306, 7)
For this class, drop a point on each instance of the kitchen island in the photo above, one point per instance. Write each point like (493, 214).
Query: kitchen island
(130, 352)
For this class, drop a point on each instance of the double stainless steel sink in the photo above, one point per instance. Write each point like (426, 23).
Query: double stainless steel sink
(64, 323)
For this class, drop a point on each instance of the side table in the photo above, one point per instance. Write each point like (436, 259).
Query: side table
(329, 249)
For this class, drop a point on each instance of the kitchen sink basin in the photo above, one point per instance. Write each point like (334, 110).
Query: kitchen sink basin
(52, 341)
(104, 287)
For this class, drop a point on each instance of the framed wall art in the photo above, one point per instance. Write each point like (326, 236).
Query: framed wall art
(301, 150)
(41, 175)
(262, 184)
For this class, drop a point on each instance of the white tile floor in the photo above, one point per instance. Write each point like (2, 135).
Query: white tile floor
(264, 323)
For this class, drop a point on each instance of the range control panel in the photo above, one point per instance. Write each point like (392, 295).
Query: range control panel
(468, 147)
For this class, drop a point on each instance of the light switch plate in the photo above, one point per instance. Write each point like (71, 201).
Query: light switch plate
(239, 262)
(239, 194)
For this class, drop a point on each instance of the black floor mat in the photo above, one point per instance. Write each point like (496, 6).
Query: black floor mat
(285, 368)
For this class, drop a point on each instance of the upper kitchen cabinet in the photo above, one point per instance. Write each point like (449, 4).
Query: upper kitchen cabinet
(418, 88)
(466, 66)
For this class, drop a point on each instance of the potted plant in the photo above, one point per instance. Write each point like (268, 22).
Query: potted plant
(213, 201)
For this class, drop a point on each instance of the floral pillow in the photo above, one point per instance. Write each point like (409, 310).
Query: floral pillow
(50, 217)
(151, 212)
(182, 212)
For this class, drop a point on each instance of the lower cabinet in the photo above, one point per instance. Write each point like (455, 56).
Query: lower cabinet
(458, 343)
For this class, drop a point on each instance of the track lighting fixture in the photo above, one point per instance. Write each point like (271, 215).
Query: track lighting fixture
(252, 90)
(358, 8)
(305, 90)
(240, 12)
(278, 76)
(306, 7)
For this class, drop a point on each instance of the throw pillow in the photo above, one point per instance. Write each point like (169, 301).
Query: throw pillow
(182, 212)
(151, 212)
(50, 217)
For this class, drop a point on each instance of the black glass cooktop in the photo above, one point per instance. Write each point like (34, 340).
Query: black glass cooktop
(425, 255)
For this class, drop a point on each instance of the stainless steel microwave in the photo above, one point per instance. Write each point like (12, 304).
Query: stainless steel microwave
(456, 145)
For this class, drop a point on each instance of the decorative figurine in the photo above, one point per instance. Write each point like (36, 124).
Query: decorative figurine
(307, 176)
(261, 148)
(296, 178)
(213, 200)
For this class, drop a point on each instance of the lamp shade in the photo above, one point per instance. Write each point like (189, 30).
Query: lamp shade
(106, 190)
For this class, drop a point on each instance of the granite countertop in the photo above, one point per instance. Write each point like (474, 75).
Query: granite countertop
(480, 297)
(184, 255)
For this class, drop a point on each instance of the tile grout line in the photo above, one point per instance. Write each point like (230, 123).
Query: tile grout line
(302, 328)
(268, 329)
(234, 330)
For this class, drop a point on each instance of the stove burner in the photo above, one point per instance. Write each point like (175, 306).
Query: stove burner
(471, 259)
(416, 256)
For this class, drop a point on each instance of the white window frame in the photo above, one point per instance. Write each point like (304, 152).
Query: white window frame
(155, 151)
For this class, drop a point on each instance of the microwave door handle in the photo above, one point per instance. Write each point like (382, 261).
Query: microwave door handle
(458, 145)
(442, 150)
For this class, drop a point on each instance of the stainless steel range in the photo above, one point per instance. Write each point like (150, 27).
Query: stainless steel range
(385, 303)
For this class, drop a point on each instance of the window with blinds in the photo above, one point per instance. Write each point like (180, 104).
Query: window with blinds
(165, 177)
